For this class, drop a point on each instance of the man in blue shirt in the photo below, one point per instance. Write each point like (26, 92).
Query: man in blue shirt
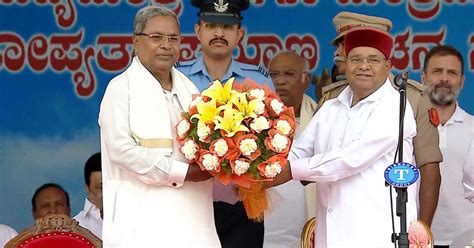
(219, 31)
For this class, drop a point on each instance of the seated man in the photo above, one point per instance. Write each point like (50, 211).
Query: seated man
(91, 217)
(50, 198)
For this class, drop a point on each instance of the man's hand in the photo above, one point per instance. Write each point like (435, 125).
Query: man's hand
(283, 177)
(195, 174)
(429, 191)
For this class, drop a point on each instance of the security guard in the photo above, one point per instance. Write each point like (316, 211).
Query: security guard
(219, 31)
(426, 142)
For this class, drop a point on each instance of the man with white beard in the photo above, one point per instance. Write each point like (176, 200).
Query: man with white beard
(443, 73)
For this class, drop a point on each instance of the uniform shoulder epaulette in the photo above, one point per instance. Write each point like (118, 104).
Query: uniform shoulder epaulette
(333, 86)
(415, 85)
(258, 68)
(184, 63)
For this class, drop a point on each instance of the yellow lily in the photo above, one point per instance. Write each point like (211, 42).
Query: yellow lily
(220, 93)
(245, 107)
(231, 123)
(207, 111)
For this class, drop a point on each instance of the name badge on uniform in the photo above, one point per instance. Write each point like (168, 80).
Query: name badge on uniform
(401, 174)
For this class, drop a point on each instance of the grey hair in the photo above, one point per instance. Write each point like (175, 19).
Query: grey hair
(146, 13)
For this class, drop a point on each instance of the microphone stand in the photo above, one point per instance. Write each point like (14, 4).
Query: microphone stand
(402, 194)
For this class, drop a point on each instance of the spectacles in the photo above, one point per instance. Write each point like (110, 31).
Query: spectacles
(286, 74)
(214, 26)
(162, 38)
(373, 60)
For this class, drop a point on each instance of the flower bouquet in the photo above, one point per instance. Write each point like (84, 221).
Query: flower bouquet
(240, 133)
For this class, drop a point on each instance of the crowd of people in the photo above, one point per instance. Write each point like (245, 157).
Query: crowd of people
(336, 164)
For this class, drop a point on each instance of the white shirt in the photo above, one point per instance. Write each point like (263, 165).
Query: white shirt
(288, 213)
(147, 203)
(90, 219)
(454, 214)
(468, 173)
(346, 150)
(6, 233)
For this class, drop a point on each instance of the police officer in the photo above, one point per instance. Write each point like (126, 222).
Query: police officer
(426, 142)
(219, 30)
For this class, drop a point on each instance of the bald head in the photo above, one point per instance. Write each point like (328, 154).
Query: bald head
(290, 76)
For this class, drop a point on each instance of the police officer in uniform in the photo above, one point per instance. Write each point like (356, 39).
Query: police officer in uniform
(426, 142)
(219, 31)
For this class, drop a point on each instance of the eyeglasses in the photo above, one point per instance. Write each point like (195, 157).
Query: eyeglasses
(373, 60)
(286, 74)
(214, 26)
(162, 38)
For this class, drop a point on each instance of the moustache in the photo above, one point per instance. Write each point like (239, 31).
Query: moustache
(443, 84)
(219, 39)
(339, 59)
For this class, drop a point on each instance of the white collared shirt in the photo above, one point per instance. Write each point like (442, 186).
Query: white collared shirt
(346, 150)
(468, 173)
(90, 219)
(454, 214)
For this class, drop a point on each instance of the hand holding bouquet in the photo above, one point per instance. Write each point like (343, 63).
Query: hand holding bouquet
(240, 133)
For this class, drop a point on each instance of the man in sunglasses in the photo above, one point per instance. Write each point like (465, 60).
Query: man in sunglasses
(219, 31)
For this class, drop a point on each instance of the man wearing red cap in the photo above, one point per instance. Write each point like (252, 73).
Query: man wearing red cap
(348, 145)
(426, 143)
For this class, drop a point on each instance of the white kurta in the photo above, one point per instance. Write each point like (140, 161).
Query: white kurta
(454, 214)
(346, 151)
(146, 201)
(283, 224)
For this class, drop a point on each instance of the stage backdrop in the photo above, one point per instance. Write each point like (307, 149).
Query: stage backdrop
(57, 56)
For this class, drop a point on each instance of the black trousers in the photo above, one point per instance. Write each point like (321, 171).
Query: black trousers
(235, 230)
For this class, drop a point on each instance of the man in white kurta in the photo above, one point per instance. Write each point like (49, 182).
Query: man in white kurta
(152, 197)
(283, 223)
(348, 145)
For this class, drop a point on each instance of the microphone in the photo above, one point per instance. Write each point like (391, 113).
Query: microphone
(400, 80)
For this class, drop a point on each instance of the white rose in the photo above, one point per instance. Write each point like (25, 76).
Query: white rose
(195, 101)
(257, 93)
(259, 108)
(210, 162)
(283, 126)
(280, 142)
(260, 123)
(272, 170)
(189, 150)
(183, 127)
(241, 167)
(248, 146)
(203, 131)
(277, 106)
(220, 147)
